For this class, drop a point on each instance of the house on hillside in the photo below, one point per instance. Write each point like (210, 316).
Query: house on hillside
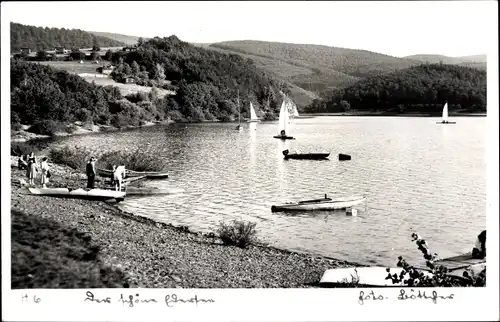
(129, 48)
(106, 70)
(61, 50)
(129, 80)
(25, 50)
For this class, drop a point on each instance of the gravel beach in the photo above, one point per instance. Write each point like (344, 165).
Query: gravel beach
(152, 254)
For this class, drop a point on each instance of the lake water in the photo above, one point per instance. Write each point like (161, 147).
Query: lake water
(418, 176)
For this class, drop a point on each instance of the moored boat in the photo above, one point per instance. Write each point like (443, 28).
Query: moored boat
(320, 204)
(130, 174)
(93, 194)
(305, 156)
(143, 191)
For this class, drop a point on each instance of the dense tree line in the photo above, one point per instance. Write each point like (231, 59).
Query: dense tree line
(50, 99)
(39, 38)
(423, 88)
(207, 82)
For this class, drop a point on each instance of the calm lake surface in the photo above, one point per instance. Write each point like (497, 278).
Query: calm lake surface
(418, 176)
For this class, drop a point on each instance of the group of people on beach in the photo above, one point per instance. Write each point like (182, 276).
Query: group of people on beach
(30, 164)
(117, 177)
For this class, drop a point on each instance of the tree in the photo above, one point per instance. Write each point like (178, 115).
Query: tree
(108, 55)
(345, 105)
(140, 41)
(42, 55)
(95, 56)
(135, 68)
(95, 44)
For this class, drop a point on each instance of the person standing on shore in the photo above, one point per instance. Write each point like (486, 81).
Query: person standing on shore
(44, 166)
(31, 169)
(91, 173)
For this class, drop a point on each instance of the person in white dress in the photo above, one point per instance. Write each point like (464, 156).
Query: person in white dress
(118, 176)
(44, 166)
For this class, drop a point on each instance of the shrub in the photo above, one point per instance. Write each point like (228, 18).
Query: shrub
(75, 158)
(413, 277)
(238, 233)
(137, 160)
(33, 145)
(46, 127)
(16, 127)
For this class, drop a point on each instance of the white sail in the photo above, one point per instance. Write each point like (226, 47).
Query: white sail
(445, 112)
(283, 118)
(253, 115)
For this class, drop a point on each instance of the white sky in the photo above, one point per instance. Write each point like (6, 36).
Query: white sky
(452, 28)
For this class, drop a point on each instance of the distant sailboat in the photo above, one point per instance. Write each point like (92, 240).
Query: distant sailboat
(283, 123)
(445, 115)
(253, 115)
(239, 127)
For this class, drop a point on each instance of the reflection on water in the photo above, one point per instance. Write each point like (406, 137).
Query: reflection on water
(417, 176)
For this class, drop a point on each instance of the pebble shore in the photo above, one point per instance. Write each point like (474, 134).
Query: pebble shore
(158, 255)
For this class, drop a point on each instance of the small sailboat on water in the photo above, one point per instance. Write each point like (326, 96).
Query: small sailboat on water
(283, 123)
(445, 116)
(253, 115)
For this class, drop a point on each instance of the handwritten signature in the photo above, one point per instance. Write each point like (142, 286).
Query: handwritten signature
(132, 300)
(371, 296)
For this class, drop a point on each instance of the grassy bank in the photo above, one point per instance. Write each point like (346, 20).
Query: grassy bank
(118, 248)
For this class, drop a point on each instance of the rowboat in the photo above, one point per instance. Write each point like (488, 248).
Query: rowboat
(305, 156)
(320, 204)
(93, 194)
(130, 173)
(139, 191)
(362, 276)
(376, 276)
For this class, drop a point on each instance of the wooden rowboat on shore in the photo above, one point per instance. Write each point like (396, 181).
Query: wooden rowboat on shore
(93, 194)
(320, 204)
(376, 276)
(140, 191)
(131, 174)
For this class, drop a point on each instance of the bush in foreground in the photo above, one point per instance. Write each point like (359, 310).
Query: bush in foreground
(48, 255)
(137, 160)
(26, 147)
(75, 158)
(413, 277)
(238, 233)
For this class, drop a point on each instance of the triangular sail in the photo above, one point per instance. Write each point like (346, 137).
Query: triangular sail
(253, 116)
(283, 118)
(445, 112)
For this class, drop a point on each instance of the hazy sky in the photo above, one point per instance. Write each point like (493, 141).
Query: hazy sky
(452, 28)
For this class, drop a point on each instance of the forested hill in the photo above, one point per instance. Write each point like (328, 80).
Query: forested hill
(207, 81)
(423, 88)
(353, 62)
(127, 39)
(39, 38)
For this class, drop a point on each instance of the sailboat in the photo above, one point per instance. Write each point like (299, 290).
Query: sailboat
(283, 123)
(253, 115)
(239, 127)
(445, 116)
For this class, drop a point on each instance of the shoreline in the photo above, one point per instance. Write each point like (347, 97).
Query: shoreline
(393, 114)
(156, 254)
(24, 135)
